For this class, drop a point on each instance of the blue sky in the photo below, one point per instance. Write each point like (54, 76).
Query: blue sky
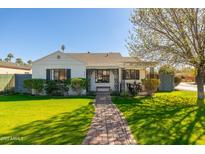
(33, 33)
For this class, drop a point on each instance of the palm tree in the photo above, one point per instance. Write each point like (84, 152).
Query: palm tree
(6, 59)
(10, 56)
(62, 47)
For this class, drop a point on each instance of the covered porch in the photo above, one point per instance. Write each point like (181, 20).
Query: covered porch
(134, 72)
(115, 79)
(103, 79)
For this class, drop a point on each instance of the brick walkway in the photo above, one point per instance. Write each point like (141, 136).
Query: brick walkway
(108, 125)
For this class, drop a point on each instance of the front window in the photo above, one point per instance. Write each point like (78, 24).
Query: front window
(131, 74)
(59, 74)
(102, 76)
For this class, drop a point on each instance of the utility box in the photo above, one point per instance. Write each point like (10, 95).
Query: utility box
(166, 82)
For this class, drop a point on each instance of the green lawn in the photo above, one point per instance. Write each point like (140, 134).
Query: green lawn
(44, 120)
(167, 118)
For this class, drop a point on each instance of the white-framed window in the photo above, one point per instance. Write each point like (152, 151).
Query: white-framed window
(131, 74)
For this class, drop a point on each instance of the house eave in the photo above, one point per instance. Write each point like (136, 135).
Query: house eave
(144, 64)
(102, 67)
(125, 65)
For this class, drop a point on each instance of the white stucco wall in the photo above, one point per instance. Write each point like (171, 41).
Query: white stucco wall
(51, 62)
(78, 68)
(14, 71)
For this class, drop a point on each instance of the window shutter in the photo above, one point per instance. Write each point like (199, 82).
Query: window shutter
(68, 73)
(48, 74)
(137, 74)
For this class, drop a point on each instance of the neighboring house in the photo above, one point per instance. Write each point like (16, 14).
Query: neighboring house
(103, 70)
(12, 76)
(12, 68)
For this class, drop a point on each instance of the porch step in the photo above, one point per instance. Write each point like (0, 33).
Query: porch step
(103, 98)
(103, 93)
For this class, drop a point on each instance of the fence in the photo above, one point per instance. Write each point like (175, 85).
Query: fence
(19, 82)
(7, 82)
(13, 82)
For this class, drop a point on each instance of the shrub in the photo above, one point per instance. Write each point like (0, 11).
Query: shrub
(150, 85)
(134, 88)
(78, 84)
(57, 87)
(177, 80)
(35, 84)
(28, 84)
(166, 69)
(91, 93)
(115, 93)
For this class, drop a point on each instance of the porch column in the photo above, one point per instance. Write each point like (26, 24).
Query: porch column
(152, 72)
(120, 77)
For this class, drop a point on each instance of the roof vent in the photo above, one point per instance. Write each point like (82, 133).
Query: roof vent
(58, 56)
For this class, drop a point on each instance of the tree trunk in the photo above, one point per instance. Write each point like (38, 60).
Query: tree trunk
(200, 86)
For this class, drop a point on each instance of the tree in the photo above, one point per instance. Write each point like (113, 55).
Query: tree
(167, 69)
(29, 62)
(6, 59)
(19, 61)
(175, 36)
(10, 56)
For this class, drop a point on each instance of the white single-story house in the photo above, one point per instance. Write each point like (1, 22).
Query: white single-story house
(12, 68)
(108, 70)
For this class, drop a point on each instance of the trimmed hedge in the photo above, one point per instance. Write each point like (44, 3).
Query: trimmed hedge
(35, 84)
(78, 84)
(57, 87)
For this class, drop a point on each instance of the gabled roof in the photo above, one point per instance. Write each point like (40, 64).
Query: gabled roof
(14, 65)
(104, 59)
(99, 59)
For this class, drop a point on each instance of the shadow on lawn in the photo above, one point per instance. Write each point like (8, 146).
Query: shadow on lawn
(13, 98)
(65, 128)
(154, 121)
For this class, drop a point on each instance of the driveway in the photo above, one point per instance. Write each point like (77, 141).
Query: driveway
(190, 86)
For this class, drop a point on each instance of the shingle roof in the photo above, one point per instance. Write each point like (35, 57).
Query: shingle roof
(114, 59)
(14, 66)
(100, 59)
